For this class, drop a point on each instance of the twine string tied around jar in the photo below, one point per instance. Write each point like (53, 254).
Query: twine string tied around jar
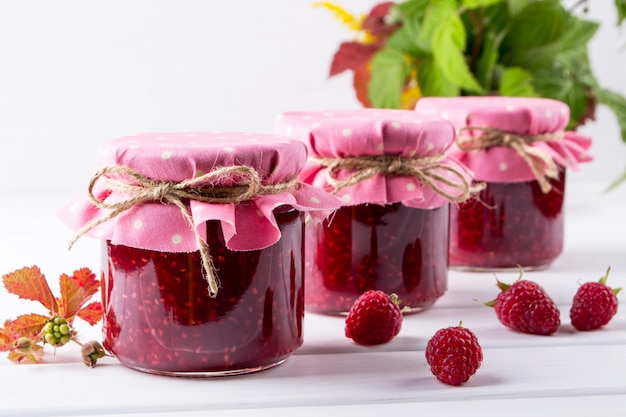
(140, 189)
(539, 161)
(428, 170)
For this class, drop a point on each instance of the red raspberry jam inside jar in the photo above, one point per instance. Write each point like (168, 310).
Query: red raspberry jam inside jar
(393, 248)
(159, 317)
(512, 224)
(519, 149)
(390, 170)
(203, 249)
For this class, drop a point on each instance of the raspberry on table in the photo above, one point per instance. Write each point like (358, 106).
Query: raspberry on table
(525, 306)
(594, 304)
(454, 354)
(374, 318)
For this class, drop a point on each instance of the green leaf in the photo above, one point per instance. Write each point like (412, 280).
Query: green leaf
(407, 40)
(557, 82)
(515, 6)
(389, 72)
(538, 24)
(442, 21)
(444, 30)
(572, 45)
(432, 82)
(475, 4)
(617, 103)
(617, 182)
(451, 62)
(620, 8)
(487, 61)
(497, 19)
(412, 9)
(517, 82)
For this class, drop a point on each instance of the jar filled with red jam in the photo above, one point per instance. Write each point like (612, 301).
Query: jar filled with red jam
(203, 256)
(395, 182)
(519, 149)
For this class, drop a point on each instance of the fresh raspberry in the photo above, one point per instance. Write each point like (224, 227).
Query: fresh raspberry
(374, 318)
(454, 355)
(525, 306)
(57, 331)
(595, 304)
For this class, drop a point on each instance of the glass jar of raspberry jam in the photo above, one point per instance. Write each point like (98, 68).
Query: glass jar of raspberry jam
(509, 224)
(391, 233)
(202, 237)
(518, 147)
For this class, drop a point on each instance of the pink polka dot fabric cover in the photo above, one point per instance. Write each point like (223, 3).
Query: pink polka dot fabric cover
(520, 115)
(154, 226)
(364, 132)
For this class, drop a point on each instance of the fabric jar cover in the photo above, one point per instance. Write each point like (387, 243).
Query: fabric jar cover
(518, 115)
(375, 132)
(179, 156)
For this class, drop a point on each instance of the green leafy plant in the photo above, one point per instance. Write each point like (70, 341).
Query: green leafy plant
(527, 48)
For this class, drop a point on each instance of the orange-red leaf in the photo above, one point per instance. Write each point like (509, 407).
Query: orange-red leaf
(350, 56)
(31, 284)
(7, 338)
(27, 356)
(87, 280)
(91, 313)
(73, 296)
(28, 325)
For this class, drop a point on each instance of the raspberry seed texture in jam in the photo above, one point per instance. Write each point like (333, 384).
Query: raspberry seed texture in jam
(513, 224)
(393, 248)
(159, 317)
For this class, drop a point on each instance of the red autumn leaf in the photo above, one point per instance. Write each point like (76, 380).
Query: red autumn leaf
(375, 21)
(28, 325)
(350, 56)
(27, 355)
(29, 283)
(87, 280)
(361, 81)
(73, 296)
(91, 313)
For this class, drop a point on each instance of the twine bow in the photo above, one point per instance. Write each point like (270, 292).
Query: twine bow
(141, 189)
(540, 163)
(425, 169)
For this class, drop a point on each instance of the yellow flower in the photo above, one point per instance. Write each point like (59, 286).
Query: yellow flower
(349, 20)
(411, 92)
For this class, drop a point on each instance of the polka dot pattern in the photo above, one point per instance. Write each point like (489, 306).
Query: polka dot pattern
(522, 115)
(179, 156)
(364, 132)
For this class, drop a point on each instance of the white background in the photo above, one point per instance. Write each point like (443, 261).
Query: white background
(75, 73)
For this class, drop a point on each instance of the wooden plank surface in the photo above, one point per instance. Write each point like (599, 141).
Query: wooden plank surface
(568, 374)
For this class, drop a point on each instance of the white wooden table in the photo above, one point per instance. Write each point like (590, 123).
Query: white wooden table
(568, 374)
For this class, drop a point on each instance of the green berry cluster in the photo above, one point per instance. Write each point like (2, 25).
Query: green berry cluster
(57, 332)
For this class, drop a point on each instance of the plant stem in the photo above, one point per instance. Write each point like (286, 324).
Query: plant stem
(477, 22)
